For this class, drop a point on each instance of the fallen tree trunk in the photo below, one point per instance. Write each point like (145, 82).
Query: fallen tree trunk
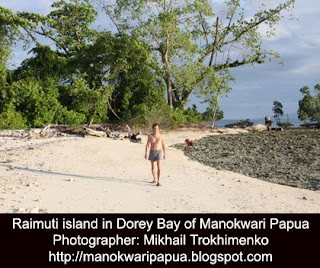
(43, 132)
(95, 132)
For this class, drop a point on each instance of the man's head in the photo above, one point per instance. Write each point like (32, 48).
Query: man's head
(155, 127)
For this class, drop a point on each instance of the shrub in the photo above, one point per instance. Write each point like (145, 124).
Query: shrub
(91, 103)
(11, 119)
(240, 124)
(147, 116)
(285, 124)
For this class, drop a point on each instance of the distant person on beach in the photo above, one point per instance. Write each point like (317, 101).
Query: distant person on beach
(188, 143)
(157, 152)
(268, 122)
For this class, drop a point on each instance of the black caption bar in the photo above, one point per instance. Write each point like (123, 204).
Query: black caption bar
(202, 240)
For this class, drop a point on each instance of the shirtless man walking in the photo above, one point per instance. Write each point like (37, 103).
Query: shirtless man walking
(157, 152)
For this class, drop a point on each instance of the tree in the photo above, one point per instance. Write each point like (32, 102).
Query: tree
(212, 92)
(134, 77)
(316, 104)
(305, 105)
(45, 63)
(213, 114)
(277, 109)
(189, 41)
(68, 25)
(35, 103)
(309, 106)
(91, 103)
(9, 33)
(123, 63)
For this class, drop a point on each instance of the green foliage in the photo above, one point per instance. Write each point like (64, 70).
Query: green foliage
(166, 117)
(185, 37)
(189, 116)
(277, 109)
(45, 64)
(316, 104)
(67, 25)
(4, 53)
(309, 106)
(94, 60)
(37, 103)
(240, 124)
(285, 124)
(148, 115)
(209, 114)
(134, 77)
(71, 118)
(11, 119)
(91, 103)
(179, 47)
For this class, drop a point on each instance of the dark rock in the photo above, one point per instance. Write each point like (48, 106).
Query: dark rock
(280, 157)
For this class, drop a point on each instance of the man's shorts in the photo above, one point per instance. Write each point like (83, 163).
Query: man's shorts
(155, 155)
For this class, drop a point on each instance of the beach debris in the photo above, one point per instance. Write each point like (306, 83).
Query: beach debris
(21, 210)
(101, 131)
(97, 133)
(96, 130)
(277, 129)
(44, 131)
(34, 210)
(133, 137)
(129, 130)
(258, 127)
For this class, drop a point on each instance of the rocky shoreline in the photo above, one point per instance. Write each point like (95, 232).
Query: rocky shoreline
(290, 157)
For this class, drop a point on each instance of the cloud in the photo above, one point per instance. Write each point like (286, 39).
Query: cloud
(306, 8)
(307, 67)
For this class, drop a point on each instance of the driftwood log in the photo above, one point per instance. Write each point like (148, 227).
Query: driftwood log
(95, 132)
(44, 131)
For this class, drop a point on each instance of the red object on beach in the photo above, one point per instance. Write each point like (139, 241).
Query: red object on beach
(189, 143)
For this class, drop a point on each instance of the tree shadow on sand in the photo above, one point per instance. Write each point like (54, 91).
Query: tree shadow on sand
(38, 171)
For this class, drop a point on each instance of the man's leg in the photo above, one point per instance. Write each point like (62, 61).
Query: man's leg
(159, 171)
(153, 169)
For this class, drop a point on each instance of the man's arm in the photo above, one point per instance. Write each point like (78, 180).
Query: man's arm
(164, 148)
(147, 147)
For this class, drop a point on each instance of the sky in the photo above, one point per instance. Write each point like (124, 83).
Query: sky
(256, 87)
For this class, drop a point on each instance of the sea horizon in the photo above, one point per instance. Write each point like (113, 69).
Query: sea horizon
(221, 123)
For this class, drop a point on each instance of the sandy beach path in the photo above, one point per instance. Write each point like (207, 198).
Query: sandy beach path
(97, 175)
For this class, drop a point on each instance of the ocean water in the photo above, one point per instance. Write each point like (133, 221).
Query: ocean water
(223, 122)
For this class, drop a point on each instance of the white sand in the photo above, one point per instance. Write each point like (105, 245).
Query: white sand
(100, 175)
